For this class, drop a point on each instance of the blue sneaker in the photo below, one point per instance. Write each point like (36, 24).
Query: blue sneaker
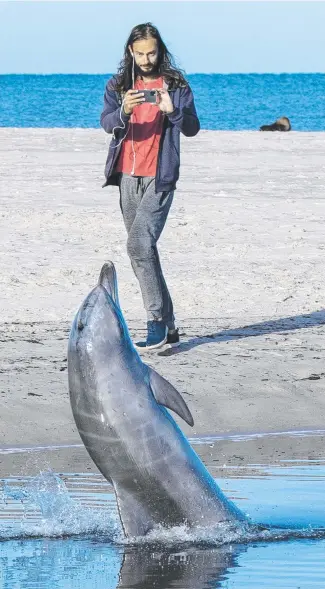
(156, 338)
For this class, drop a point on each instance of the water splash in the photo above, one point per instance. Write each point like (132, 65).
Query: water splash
(223, 534)
(61, 515)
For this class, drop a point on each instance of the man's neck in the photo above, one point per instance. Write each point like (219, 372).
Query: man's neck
(148, 78)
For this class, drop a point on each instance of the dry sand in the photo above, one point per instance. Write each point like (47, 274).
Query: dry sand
(243, 255)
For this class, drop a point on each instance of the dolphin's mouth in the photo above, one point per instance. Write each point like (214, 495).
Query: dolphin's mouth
(108, 280)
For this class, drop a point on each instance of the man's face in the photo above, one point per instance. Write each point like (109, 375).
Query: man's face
(146, 55)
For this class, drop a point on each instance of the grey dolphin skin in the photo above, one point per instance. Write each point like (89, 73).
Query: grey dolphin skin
(120, 408)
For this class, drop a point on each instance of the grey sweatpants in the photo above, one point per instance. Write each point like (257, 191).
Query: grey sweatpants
(145, 212)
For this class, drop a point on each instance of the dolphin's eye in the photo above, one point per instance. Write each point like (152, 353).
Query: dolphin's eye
(80, 325)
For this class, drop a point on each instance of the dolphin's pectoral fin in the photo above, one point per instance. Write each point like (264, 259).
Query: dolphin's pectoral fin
(166, 395)
(134, 518)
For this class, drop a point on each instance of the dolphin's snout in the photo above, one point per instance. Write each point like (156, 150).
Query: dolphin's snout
(107, 279)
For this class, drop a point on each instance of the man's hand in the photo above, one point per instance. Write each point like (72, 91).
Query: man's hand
(164, 101)
(131, 99)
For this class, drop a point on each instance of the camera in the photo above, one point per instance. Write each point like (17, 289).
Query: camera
(150, 96)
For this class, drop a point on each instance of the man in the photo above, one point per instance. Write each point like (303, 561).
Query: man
(143, 160)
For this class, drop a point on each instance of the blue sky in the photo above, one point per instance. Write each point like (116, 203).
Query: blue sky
(221, 37)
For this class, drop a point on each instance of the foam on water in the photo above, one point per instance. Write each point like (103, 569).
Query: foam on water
(223, 534)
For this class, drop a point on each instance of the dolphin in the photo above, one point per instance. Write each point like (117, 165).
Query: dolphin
(120, 407)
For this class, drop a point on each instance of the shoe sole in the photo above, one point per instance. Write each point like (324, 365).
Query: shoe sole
(154, 347)
(164, 347)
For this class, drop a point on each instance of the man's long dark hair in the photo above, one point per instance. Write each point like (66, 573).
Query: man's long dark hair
(165, 64)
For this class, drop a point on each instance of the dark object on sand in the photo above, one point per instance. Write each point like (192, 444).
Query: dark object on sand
(282, 124)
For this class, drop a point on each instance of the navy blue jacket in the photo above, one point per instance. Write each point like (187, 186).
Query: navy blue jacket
(183, 119)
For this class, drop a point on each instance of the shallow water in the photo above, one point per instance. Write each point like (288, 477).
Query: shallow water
(61, 530)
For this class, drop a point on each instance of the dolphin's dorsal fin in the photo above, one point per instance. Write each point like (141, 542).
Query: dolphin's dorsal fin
(166, 395)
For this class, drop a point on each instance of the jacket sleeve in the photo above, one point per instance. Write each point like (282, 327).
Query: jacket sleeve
(112, 113)
(185, 117)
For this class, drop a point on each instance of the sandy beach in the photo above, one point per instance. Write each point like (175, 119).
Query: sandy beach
(243, 255)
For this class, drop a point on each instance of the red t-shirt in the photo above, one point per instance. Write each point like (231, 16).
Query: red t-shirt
(139, 150)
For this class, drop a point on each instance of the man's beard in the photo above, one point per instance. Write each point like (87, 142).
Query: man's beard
(152, 71)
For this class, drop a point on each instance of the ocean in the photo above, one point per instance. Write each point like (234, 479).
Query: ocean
(234, 102)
